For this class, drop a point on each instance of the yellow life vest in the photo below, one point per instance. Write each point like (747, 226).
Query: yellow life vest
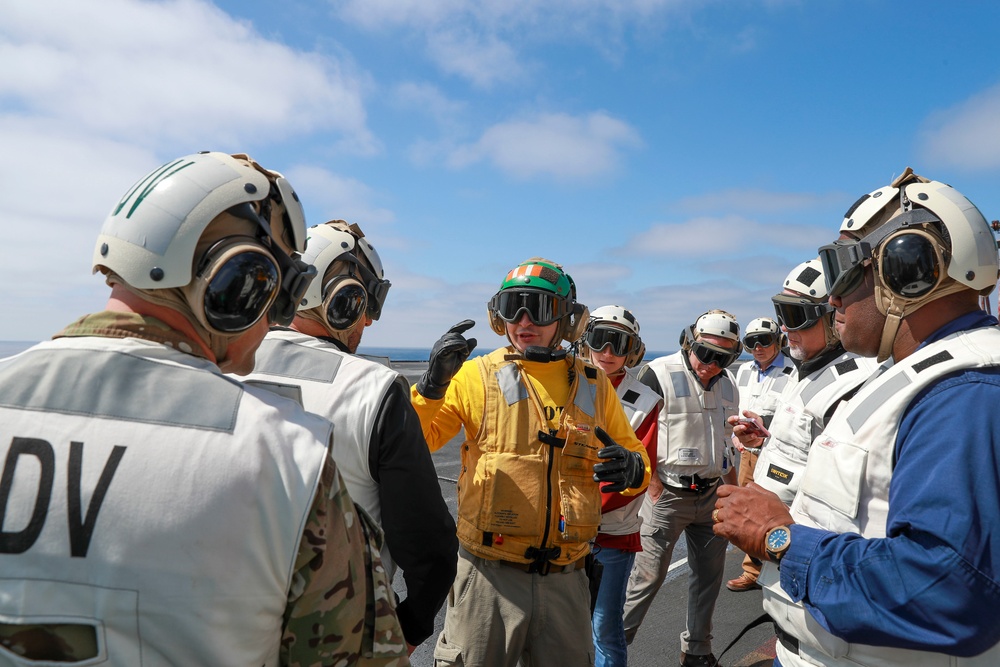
(526, 490)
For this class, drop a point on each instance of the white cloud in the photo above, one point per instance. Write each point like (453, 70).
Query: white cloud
(482, 59)
(182, 67)
(330, 196)
(760, 201)
(483, 41)
(967, 135)
(700, 236)
(427, 99)
(564, 147)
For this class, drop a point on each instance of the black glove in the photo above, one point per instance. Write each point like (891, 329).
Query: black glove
(622, 468)
(447, 356)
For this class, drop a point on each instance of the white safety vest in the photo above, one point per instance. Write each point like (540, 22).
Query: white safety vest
(759, 392)
(693, 432)
(845, 489)
(799, 418)
(149, 496)
(638, 401)
(336, 385)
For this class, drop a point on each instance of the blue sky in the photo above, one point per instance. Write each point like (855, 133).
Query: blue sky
(673, 155)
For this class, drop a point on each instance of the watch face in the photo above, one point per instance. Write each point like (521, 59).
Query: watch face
(777, 538)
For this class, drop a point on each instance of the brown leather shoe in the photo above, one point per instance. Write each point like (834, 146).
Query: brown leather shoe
(744, 582)
(699, 660)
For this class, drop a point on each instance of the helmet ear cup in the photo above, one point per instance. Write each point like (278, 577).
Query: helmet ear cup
(687, 335)
(911, 263)
(242, 265)
(576, 324)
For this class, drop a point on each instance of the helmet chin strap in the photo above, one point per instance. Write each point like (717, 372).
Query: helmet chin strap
(895, 308)
(537, 353)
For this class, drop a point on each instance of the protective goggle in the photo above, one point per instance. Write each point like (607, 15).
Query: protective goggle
(712, 354)
(377, 289)
(795, 313)
(621, 341)
(844, 260)
(237, 283)
(542, 308)
(346, 301)
(751, 341)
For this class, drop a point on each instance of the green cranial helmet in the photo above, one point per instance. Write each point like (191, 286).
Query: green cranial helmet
(540, 274)
(543, 290)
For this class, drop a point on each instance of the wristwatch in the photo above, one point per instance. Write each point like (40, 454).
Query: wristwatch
(777, 541)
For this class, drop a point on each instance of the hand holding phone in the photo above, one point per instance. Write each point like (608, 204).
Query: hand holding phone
(753, 428)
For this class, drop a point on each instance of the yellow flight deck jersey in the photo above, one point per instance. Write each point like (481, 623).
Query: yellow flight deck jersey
(530, 448)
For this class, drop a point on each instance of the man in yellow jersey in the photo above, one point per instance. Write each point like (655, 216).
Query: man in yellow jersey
(541, 429)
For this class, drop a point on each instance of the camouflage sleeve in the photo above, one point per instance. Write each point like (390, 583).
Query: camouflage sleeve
(341, 610)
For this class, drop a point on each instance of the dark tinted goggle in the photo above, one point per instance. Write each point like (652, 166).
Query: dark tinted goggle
(241, 291)
(377, 288)
(621, 341)
(844, 260)
(542, 308)
(753, 340)
(710, 354)
(346, 301)
(795, 313)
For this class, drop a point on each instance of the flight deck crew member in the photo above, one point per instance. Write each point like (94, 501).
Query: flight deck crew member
(889, 554)
(379, 446)
(612, 343)
(541, 429)
(692, 450)
(155, 511)
(825, 376)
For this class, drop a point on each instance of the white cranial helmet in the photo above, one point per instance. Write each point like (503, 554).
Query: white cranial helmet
(338, 240)
(762, 325)
(149, 238)
(617, 317)
(923, 239)
(718, 323)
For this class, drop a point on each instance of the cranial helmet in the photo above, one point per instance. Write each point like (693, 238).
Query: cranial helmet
(763, 326)
(809, 304)
(543, 290)
(151, 237)
(923, 239)
(351, 278)
(615, 326)
(713, 323)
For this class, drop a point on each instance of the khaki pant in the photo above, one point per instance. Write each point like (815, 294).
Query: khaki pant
(676, 513)
(498, 615)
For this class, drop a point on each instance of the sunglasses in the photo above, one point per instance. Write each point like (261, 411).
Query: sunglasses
(795, 313)
(710, 354)
(542, 308)
(751, 341)
(621, 342)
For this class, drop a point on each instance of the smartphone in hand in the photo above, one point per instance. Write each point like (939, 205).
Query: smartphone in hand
(753, 428)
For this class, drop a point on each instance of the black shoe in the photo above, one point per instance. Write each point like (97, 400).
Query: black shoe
(699, 660)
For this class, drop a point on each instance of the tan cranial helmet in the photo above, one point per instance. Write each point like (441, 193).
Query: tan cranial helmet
(924, 240)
